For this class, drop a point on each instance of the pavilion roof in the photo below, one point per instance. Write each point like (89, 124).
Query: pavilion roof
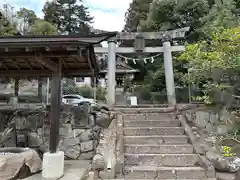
(26, 56)
(121, 68)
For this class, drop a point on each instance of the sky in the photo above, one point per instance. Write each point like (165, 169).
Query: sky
(108, 14)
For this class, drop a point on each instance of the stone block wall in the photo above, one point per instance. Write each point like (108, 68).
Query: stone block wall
(78, 136)
(210, 120)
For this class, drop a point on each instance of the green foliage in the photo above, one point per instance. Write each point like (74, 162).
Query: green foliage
(27, 15)
(209, 61)
(86, 91)
(172, 14)
(6, 27)
(42, 27)
(143, 92)
(222, 15)
(101, 93)
(27, 19)
(136, 14)
(227, 151)
(68, 16)
(202, 16)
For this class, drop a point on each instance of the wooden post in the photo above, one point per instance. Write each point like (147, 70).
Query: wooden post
(40, 89)
(14, 100)
(55, 109)
(16, 87)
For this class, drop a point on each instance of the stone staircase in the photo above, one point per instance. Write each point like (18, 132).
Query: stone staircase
(157, 147)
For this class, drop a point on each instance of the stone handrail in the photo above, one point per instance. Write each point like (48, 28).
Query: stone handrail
(204, 162)
(120, 145)
(105, 160)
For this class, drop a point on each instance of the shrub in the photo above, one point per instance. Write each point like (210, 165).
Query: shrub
(143, 92)
(101, 93)
(158, 97)
(85, 91)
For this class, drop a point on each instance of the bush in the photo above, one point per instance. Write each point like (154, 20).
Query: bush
(143, 92)
(101, 93)
(85, 91)
(158, 97)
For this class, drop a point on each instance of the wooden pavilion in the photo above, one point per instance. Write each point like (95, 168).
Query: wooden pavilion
(50, 56)
(123, 72)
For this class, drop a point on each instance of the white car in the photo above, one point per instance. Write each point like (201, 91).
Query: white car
(75, 99)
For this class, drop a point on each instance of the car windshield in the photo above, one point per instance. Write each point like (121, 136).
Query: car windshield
(72, 97)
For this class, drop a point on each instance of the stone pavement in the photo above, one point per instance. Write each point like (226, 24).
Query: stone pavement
(74, 170)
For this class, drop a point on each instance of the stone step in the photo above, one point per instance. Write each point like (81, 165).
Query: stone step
(152, 123)
(181, 160)
(139, 131)
(179, 139)
(119, 178)
(158, 149)
(149, 116)
(148, 172)
(146, 109)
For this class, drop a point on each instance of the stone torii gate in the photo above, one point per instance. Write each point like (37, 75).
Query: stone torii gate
(166, 37)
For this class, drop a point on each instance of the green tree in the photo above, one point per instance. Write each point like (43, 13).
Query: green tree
(202, 16)
(136, 13)
(223, 14)
(172, 14)
(27, 17)
(68, 16)
(42, 27)
(211, 62)
(6, 27)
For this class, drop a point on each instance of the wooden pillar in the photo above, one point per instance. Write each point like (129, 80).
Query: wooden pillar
(55, 109)
(16, 87)
(40, 89)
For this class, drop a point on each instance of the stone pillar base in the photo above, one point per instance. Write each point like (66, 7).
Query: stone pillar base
(53, 165)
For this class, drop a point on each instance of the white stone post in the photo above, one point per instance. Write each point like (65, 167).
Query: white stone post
(168, 66)
(111, 72)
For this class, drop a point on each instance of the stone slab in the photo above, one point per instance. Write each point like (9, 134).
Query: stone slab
(73, 170)
(153, 123)
(158, 149)
(156, 140)
(148, 131)
(158, 160)
(142, 172)
(226, 176)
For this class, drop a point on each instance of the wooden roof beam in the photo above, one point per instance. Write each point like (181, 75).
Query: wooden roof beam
(47, 63)
(31, 54)
(2, 64)
(86, 55)
(15, 64)
(43, 73)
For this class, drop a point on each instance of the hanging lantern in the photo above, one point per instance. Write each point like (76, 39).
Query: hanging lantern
(139, 43)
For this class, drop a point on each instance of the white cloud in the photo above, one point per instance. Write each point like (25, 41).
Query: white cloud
(108, 14)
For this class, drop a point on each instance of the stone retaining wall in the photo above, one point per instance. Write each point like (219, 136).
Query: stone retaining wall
(79, 137)
(210, 120)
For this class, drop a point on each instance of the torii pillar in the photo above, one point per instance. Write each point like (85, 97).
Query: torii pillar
(111, 73)
(168, 66)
